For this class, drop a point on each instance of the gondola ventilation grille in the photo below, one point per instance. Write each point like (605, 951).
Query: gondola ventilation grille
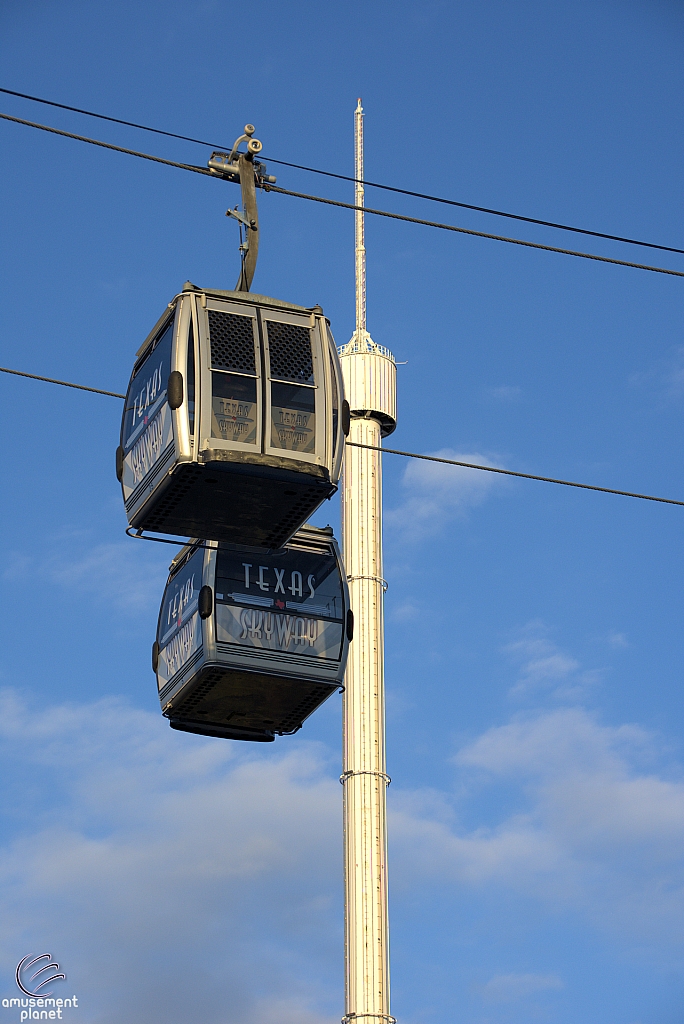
(232, 342)
(290, 352)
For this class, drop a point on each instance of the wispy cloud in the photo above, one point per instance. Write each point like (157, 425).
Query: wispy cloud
(407, 611)
(543, 666)
(202, 875)
(436, 493)
(505, 393)
(588, 829)
(206, 874)
(665, 376)
(508, 988)
(118, 573)
(127, 575)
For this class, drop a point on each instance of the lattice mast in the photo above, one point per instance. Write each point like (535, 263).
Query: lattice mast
(369, 372)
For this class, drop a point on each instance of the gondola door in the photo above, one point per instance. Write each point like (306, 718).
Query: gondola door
(231, 418)
(295, 403)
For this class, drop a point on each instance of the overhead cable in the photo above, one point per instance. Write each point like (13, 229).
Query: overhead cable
(351, 206)
(139, 535)
(511, 472)
(108, 145)
(396, 451)
(470, 231)
(361, 181)
(480, 209)
(64, 383)
(115, 120)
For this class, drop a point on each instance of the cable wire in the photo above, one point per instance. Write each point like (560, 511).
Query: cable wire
(351, 206)
(108, 145)
(64, 383)
(139, 535)
(362, 181)
(478, 209)
(477, 234)
(511, 472)
(392, 451)
(115, 120)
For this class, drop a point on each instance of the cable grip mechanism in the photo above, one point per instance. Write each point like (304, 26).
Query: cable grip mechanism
(241, 167)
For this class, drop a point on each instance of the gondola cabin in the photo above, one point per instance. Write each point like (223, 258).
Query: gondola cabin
(232, 427)
(250, 642)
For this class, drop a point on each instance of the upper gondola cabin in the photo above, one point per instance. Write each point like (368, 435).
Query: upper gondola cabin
(233, 423)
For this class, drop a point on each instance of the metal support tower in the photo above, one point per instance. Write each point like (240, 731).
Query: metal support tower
(369, 372)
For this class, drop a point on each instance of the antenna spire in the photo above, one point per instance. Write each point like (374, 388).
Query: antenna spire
(359, 226)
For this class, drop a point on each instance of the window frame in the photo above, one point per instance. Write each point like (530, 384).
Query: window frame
(311, 323)
(204, 371)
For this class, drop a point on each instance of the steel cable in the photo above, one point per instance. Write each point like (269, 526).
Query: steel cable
(64, 383)
(361, 181)
(108, 145)
(351, 206)
(511, 472)
(393, 451)
(477, 234)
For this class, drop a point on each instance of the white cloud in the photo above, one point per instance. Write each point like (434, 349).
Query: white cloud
(665, 376)
(544, 666)
(591, 829)
(178, 878)
(505, 393)
(435, 492)
(551, 744)
(173, 877)
(126, 574)
(118, 573)
(407, 611)
(506, 988)
(509, 854)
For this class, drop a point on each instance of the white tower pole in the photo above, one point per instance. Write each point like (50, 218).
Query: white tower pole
(370, 388)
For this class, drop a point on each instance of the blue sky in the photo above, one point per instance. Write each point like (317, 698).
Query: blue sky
(534, 644)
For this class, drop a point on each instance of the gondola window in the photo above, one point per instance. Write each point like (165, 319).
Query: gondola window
(293, 390)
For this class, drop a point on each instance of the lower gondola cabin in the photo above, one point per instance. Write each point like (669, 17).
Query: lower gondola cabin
(250, 642)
